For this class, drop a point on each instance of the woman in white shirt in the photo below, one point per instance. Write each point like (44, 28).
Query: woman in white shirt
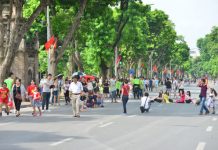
(89, 86)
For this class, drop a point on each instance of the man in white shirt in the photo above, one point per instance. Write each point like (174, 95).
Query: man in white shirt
(75, 89)
(46, 84)
(145, 103)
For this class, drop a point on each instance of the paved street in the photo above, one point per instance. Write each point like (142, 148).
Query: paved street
(165, 127)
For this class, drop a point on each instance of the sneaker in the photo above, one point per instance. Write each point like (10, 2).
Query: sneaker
(200, 113)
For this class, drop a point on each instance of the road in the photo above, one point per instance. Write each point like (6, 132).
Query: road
(165, 127)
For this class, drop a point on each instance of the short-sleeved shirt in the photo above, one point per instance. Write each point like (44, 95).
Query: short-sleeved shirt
(30, 89)
(125, 89)
(203, 90)
(9, 83)
(118, 85)
(4, 93)
(168, 85)
(36, 96)
(112, 85)
(46, 85)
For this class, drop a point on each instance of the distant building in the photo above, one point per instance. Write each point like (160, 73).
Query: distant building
(194, 53)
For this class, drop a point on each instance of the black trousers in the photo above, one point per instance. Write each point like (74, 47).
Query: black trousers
(125, 100)
(67, 97)
(46, 97)
(118, 93)
(17, 103)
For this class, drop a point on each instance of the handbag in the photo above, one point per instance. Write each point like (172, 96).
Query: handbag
(18, 95)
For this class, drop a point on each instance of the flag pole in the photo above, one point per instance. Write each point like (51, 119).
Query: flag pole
(48, 37)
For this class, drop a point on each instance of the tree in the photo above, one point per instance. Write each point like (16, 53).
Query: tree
(18, 27)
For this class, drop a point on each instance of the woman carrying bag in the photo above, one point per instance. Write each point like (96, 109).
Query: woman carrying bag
(18, 94)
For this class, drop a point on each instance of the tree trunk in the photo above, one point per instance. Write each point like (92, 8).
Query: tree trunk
(74, 26)
(104, 70)
(139, 67)
(17, 31)
(71, 66)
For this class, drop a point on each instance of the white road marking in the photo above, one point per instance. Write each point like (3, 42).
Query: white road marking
(214, 119)
(5, 124)
(209, 129)
(60, 142)
(201, 146)
(107, 124)
(131, 116)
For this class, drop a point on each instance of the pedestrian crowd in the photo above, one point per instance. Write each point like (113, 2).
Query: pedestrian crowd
(85, 93)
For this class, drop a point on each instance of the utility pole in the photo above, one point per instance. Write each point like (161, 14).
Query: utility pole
(115, 62)
(151, 63)
(48, 37)
(170, 70)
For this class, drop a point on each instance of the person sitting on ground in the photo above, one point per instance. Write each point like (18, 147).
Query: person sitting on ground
(99, 99)
(182, 97)
(188, 98)
(91, 101)
(166, 97)
(145, 103)
(159, 99)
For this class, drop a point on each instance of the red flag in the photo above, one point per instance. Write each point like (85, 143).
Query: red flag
(50, 42)
(118, 59)
(155, 68)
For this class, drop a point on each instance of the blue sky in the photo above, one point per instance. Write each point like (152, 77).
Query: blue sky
(192, 18)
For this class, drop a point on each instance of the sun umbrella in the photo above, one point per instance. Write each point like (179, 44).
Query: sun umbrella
(78, 74)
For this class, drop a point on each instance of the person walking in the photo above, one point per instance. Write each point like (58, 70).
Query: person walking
(46, 92)
(4, 96)
(66, 91)
(151, 84)
(168, 85)
(37, 102)
(10, 81)
(18, 94)
(202, 84)
(175, 86)
(112, 89)
(125, 95)
(75, 89)
(30, 90)
(55, 92)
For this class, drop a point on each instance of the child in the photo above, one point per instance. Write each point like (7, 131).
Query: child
(211, 100)
(37, 102)
(188, 98)
(145, 103)
(4, 95)
(100, 99)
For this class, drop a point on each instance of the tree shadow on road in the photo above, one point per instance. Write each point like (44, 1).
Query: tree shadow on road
(23, 140)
